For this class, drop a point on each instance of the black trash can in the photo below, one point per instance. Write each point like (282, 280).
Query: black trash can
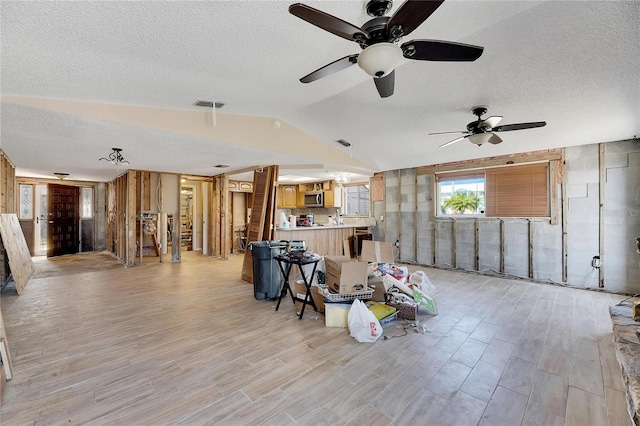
(267, 278)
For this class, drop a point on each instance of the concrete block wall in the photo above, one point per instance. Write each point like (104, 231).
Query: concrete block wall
(393, 199)
(547, 251)
(409, 217)
(489, 245)
(622, 216)
(425, 227)
(581, 176)
(465, 241)
(516, 247)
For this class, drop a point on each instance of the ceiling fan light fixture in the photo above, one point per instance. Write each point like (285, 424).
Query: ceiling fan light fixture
(115, 157)
(480, 138)
(379, 59)
(342, 179)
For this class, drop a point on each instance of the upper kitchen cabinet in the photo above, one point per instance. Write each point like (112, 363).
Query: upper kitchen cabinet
(287, 197)
(240, 186)
(316, 186)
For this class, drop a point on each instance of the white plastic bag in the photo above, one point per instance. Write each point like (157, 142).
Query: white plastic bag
(363, 324)
(420, 279)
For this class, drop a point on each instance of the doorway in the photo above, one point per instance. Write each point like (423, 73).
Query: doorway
(187, 204)
(63, 234)
(40, 228)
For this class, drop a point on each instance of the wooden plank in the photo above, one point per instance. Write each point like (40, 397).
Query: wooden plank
(16, 249)
(476, 257)
(554, 178)
(530, 247)
(502, 234)
(7, 185)
(263, 186)
(131, 217)
(565, 213)
(377, 187)
(6, 358)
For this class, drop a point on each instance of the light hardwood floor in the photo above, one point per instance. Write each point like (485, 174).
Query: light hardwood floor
(187, 343)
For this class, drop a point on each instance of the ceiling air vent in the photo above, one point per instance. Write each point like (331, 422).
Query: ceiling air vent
(343, 142)
(209, 104)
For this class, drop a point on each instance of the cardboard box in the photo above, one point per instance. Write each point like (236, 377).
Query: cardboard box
(344, 275)
(336, 314)
(379, 292)
(377, 252)
(300, 291)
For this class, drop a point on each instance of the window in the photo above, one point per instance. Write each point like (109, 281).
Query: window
(461, 193)
(86, 208)
(357, 199)
(510, 191)
(26, 202)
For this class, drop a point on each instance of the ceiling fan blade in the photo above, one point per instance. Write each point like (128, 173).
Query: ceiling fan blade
(327, 22)
(331, 68)
(445, 133)
(519, 126)
(494, 139)
(453, 141)
(493, 120)
(410, 15)
(436, 50)
(385, 84)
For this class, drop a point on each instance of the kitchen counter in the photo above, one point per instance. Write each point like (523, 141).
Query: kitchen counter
(303, 228)
(324, 240)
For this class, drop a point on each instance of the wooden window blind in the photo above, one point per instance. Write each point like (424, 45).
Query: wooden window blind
(517, 191)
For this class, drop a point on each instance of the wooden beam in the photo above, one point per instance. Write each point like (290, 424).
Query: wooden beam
(131, 197)
(565, 214)
(530, 157)
(476, 256)
(531, 235)
(454, 244)
(502, 232)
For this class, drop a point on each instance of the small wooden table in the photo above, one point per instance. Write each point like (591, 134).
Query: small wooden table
(285, 261)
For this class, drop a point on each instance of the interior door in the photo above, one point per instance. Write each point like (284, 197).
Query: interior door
(63, 235)
(40, 230)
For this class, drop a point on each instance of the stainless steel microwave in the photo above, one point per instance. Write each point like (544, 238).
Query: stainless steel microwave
(314, 199)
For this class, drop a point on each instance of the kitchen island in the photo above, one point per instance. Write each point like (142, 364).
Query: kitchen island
(325, 240)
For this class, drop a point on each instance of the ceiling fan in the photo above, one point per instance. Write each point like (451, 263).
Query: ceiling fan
(379, 39)
(483, 130)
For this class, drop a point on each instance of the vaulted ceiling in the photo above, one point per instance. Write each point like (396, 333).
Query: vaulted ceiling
(78, 78)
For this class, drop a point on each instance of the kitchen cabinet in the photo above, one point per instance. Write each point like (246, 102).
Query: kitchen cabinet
(329, 200)
(316, 186)
(240, 186)
(287, 197)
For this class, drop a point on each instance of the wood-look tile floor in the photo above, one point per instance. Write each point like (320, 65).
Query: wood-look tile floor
(187, 343)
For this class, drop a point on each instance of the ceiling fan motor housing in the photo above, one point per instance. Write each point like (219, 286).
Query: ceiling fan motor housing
(378, 7)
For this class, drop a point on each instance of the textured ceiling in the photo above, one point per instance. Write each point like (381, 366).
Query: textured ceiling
(573, 64)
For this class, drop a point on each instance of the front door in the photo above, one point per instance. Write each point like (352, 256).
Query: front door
(63, 236)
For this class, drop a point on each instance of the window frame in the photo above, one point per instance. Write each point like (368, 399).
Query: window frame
(345, 198)
(490, 199)
(459, 176)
